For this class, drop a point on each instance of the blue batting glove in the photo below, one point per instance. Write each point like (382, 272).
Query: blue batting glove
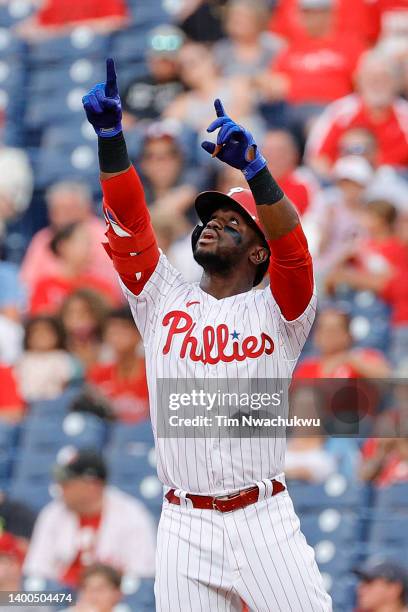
(235, 145)
(103, 106)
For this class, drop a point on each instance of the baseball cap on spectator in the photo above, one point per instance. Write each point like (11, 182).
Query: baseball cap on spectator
(165, 40)
(167, 128)
(388, 570)
(353, 168)
(10, 547)
(315, 4)
(81, 464)
(389, 186)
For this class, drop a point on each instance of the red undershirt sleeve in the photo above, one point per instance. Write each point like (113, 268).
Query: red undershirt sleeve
(291, 273)
(131, 245)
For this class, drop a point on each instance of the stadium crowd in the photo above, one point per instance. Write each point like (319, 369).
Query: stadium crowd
(323, 85)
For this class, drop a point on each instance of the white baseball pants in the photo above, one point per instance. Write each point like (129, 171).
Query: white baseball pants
(209, 562)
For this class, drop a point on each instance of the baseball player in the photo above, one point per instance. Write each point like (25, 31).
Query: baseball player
(228, 535)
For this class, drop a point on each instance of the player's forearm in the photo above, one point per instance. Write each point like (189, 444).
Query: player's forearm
(277, 213)
(291, 268)
(131, 244)
(122, 189)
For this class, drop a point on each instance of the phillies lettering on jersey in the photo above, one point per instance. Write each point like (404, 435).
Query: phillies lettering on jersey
(189, 334)
(216, 343)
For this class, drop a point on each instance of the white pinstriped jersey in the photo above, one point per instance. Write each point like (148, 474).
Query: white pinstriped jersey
(188, 333)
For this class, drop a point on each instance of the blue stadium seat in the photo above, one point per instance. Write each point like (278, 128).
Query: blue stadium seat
(331, 524)
(139, 595)
(81, 42)
(130, 44)
(343, 593)
(35, 493)
(54, 409)
(389, 530)
(82, 72)
(78, 430)
(131, 464)
(123, 433)
(392, 498)
(34, 466)
(8, 440)
(148, 12)
(335, 492)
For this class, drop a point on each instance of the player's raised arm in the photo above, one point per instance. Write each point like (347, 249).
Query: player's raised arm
(131, 242)
(290, 270)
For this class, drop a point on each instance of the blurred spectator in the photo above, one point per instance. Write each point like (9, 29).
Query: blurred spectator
(393, 421)
(71, 246)
(228, 178)
(336, 215)
(174, 238)
(249, 48)
(306, 456)
(147, 98)
(169, 187)
(201, 20)
(92, 402)
(389, 17)
(11, 339)
(45, 368)
(57, 17)
(201, 75)
(336, 356)
(68, 202)
(317, 67)
(92, 522)
(83, 316)
(16, 184)
(281, 151)
(99, 589)
(350, 16)
(385, 461)
(389, 281)
(358, 141)
(374, 107)
(12, 553)
(379, 250)
(11, 402)
(383, 587)
(123, 380)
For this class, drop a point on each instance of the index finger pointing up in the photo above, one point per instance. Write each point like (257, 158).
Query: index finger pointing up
(219, 109)
(111, 87)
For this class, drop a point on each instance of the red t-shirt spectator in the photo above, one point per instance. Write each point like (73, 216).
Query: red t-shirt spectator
(395, 468)
(10, 396)
(87, 534)
(63, 12)
(313, 367)
(300, 188)
(396, 294)
(351, 17)
(391, 131)
(319, 69)
(129, 396)
(50, 292)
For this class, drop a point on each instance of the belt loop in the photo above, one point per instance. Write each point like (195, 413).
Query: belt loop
(265, 487)
(185, 502)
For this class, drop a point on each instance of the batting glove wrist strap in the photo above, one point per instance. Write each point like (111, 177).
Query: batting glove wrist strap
(113, 154)
(264, 188)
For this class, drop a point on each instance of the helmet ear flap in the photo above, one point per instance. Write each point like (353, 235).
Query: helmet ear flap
(195, 236)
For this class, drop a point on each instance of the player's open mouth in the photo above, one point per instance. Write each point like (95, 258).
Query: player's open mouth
(208, 235)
